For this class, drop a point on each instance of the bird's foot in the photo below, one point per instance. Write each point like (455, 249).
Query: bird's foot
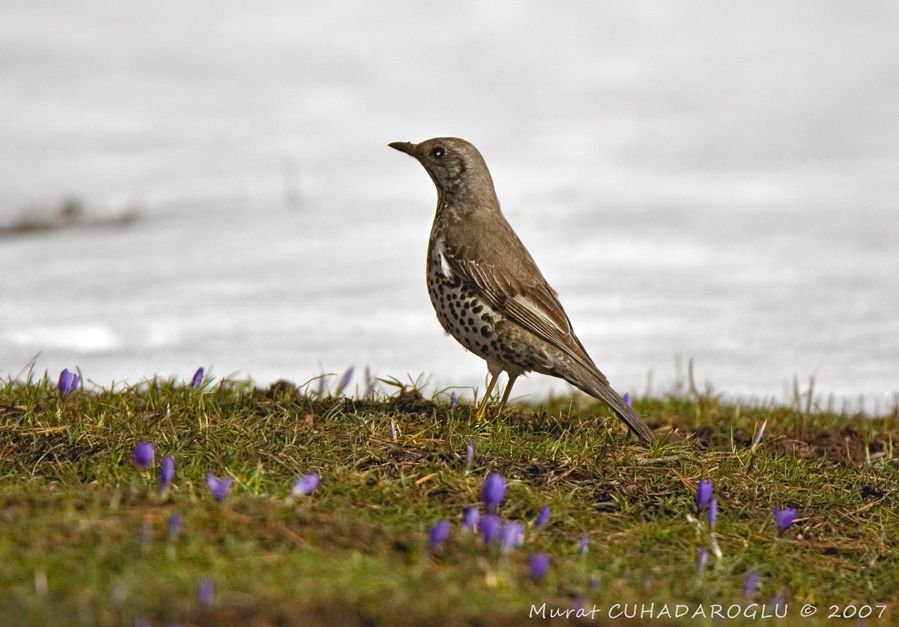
(487, 411)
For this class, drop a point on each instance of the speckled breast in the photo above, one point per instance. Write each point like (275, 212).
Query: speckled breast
(460, 311)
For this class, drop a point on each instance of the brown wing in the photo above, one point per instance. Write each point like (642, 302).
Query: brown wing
(498, 264)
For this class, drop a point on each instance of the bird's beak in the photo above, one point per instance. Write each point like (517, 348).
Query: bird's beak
(407, 147)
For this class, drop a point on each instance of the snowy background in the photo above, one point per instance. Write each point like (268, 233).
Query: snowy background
(706, 180)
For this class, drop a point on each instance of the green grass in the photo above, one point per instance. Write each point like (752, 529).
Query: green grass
(83, 533)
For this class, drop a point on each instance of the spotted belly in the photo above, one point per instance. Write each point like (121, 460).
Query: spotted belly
(462, 313)
(480, 328)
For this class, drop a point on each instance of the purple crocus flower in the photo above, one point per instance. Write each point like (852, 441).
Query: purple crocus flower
(542, 517)
(454, 399)
(68, 382)
(713, 513)
(392, 429)
(218, 487)
(439, 534)
(627, 399)
(166, 472)
(701, 560)
(751, 584)
(198, 377)
(511, 535)
(584, 544)
(469, 455)
(784, 518)
(703, 494)
(470, 518)
(204, 593)
(305, 485)
(173, 526)
(538, 564)
(490, 527)
(344, 380)
(143, 454)
(493, 491)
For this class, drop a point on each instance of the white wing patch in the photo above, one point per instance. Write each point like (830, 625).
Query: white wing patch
(538, 311)
(444, 264)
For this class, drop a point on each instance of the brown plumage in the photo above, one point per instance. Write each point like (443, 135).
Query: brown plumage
(486, 289)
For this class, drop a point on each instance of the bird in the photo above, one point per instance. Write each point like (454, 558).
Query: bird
(487, 290)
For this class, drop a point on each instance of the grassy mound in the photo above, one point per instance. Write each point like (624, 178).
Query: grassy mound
(85, 537)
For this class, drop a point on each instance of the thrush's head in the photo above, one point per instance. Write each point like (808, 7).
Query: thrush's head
(456, 167)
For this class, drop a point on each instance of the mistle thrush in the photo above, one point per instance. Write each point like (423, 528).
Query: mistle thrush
(488, 292)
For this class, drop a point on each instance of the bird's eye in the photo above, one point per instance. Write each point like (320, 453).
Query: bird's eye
(438, 152)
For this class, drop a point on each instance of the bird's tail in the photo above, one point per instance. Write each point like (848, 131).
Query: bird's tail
(597, 387)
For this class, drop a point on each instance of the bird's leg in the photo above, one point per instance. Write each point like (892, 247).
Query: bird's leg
(509, 384)
(482, 408)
